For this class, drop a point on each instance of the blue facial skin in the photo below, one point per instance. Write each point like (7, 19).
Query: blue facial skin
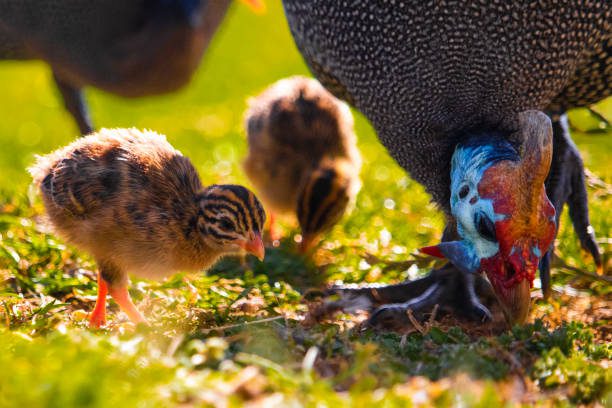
(470, 160)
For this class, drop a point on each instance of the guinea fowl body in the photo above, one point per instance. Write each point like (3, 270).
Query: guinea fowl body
(425, 72)
(130, 48)
(302, 153)
(436, 76)
(138, 206)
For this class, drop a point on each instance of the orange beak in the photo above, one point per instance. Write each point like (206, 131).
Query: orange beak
(258, 6)
(255, 247)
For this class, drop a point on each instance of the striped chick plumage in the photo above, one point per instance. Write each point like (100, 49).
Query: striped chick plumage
(138, 205)
(302, 156)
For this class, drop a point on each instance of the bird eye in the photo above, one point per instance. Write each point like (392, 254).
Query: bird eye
(463, 192)
(485, 227)
(226, 224)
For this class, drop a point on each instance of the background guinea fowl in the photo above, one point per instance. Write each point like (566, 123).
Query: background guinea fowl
(302, 154)
(130, 48)
(137, 205)
(433, 75)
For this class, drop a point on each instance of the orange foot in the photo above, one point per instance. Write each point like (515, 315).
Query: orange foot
(98, 316)
(97, 320)
(123, 299)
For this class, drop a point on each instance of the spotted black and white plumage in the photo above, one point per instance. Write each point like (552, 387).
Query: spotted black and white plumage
(429, 74)
(424, 71)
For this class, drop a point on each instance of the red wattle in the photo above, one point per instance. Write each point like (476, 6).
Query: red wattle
(433, 250)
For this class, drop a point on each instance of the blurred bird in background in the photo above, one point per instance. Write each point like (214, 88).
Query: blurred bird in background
(130, 48)
(302, 155)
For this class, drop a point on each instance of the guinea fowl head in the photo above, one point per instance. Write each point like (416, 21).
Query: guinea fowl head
(324, 197)
(504, 218)
(231, 220)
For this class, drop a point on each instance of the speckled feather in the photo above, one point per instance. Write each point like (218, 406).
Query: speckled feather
(302, 156)
(137, 204)
(424, 72)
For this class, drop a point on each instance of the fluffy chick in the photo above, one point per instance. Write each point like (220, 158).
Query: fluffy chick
(136, 204)
(302, 155)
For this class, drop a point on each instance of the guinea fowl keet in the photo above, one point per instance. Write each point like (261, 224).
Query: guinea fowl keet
(451, 88)
(302, 154)
(137, 205)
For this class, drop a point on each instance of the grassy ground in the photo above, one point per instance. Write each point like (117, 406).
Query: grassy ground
(242, 333)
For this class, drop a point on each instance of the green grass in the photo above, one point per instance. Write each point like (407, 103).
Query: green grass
(200, 350)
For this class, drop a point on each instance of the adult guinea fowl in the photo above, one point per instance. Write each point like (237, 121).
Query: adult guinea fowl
(451, 89)
(130, 48)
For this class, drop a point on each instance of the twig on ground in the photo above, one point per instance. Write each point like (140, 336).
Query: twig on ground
(602, 188)
(375, 295)
(415, 322)
(234, 326)
(560, 263)
(599, 115)
(432, 317)
(417, 259)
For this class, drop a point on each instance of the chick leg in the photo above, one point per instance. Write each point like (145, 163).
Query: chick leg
(98, 316)
(122, 297)
(117, 283)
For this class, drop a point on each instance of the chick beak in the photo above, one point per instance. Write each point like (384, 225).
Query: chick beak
(255, 247)
(516, 302)
(258, 6)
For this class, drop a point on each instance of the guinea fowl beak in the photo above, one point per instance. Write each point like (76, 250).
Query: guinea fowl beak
(255, 247)
(258, 6)
(513, 285)
(517, 302)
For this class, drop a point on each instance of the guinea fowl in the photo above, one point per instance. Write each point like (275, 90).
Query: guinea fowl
(136, 204)
(130, 48)
(302, 156)
(451, 89)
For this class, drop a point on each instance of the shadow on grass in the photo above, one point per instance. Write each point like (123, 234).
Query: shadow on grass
(282, 263)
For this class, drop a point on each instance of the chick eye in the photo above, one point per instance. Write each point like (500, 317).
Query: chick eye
(485, 227)
(226, 224)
